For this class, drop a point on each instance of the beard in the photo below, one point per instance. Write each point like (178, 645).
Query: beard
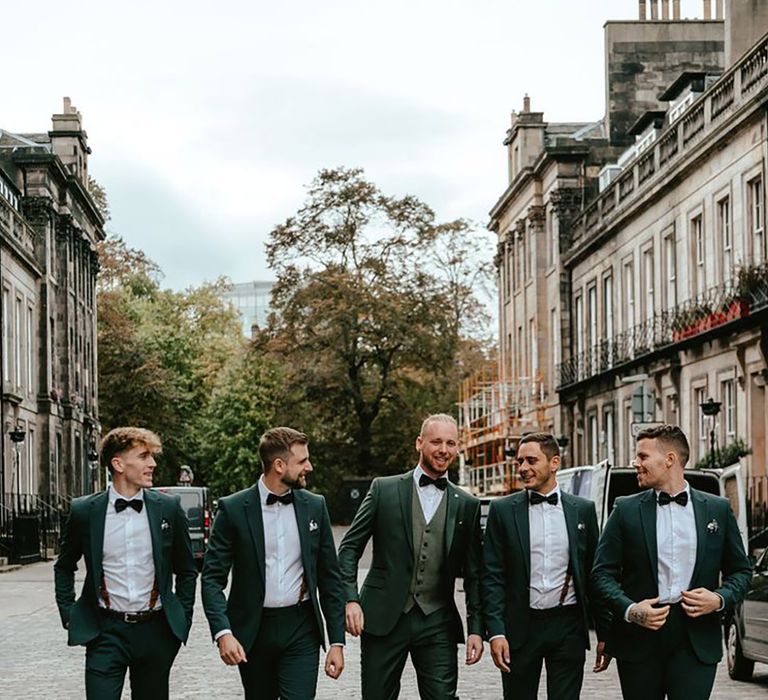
(296, 484)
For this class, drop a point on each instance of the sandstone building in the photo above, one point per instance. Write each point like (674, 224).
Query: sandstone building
(49, 227)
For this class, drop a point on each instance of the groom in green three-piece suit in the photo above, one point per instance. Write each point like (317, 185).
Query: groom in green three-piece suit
(276, 539)
(426, 533)
(538, 552)
(670, 561)
(134, 540)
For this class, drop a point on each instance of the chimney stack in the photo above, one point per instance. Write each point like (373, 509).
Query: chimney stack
(676, 10)
(643, 15)
(526, 104)
(707, 9)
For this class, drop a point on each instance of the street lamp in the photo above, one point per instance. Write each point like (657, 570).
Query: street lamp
(17, 436)
(711, 408)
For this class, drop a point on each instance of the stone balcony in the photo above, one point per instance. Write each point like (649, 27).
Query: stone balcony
(734, 95)
(738, 301)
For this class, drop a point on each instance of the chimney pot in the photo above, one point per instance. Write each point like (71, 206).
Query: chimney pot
(643, 11)
(707, 9)
(526, 103)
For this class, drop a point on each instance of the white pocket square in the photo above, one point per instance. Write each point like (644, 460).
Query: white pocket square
(312, 526)
(164, 525)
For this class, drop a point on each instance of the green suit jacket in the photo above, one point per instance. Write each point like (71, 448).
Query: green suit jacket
(626, 570)
(83, 536)
(507, 564)
(385, 514)
(237, 543)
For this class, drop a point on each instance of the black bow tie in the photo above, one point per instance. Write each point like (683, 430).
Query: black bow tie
(537, 498)
(440, 483)
(680, 499)
(136, 503)
(286, 499)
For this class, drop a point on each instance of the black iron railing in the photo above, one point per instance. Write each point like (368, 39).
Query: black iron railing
(737, 298)
(30, 526)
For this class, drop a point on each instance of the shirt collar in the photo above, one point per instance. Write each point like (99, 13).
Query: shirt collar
(114, 495)
(419, 471)
(264, 491)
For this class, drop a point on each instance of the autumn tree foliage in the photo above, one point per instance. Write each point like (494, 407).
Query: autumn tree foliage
(375, 318)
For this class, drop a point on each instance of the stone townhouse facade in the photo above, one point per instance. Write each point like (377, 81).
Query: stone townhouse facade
(49, 228)
(633, 283)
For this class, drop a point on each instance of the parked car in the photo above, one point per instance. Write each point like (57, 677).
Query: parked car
(746, 631)
(196, 502)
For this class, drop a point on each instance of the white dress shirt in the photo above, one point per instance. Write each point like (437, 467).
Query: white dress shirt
(429, 496)
(549, 554)
(282, 553)
(676, 546)
(129, 569)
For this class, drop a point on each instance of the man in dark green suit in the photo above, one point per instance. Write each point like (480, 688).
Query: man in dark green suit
(277, 540)
(426, 533)
(669, 562)
(133, 540)
(538, 552)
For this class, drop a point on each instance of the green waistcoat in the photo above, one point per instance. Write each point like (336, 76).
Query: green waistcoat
(429, 553)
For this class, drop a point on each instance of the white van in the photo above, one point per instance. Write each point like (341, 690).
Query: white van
(603, 484)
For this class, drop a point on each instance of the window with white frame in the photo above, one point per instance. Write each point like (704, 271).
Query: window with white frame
(699, 254)
(728, 399)
(18, 353)
(703, 423)
(531, 252)
(593, 438)
(629, 294)
(609, 434)
(520, 260)
(507, 269)
(608, 331)
(724, 234)
(534, 349)
(756, 219)
(578, 332)
(554, 332)
(648, 282)
(670, 266)
(592, 305)
(520, 354)
(30, 346)
(30, 486)
(7, 311)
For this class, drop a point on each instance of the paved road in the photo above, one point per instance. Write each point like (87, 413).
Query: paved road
(35, 661)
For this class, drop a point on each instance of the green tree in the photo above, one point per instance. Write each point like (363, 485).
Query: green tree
(160, 351)
(369, 318)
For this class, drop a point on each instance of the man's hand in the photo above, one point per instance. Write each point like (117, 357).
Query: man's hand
(500, 653)
(700, 601)
(645, 615)
(354, 619)
(602, 660)
(334, 661)
(230, 650)
(474, 648)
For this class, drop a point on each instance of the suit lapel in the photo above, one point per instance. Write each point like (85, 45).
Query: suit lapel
(97, 516)
(154, 515)
(648, 520)
(301, 511)
(701, 515)
(452, 510)
(524, 531)
(571, 513)
(405, 496)
(252, 508)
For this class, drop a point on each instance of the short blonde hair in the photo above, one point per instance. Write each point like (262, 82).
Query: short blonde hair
(438, 418)
(125, 438)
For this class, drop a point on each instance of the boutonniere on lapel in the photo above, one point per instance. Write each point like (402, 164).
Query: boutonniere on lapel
(581, 526)
(164, 525)
(712, 526)
(312, 526)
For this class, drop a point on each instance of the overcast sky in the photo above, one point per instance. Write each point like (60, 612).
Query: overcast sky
(207, 119)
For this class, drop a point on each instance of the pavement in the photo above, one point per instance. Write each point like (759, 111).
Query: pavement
(35, 661)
